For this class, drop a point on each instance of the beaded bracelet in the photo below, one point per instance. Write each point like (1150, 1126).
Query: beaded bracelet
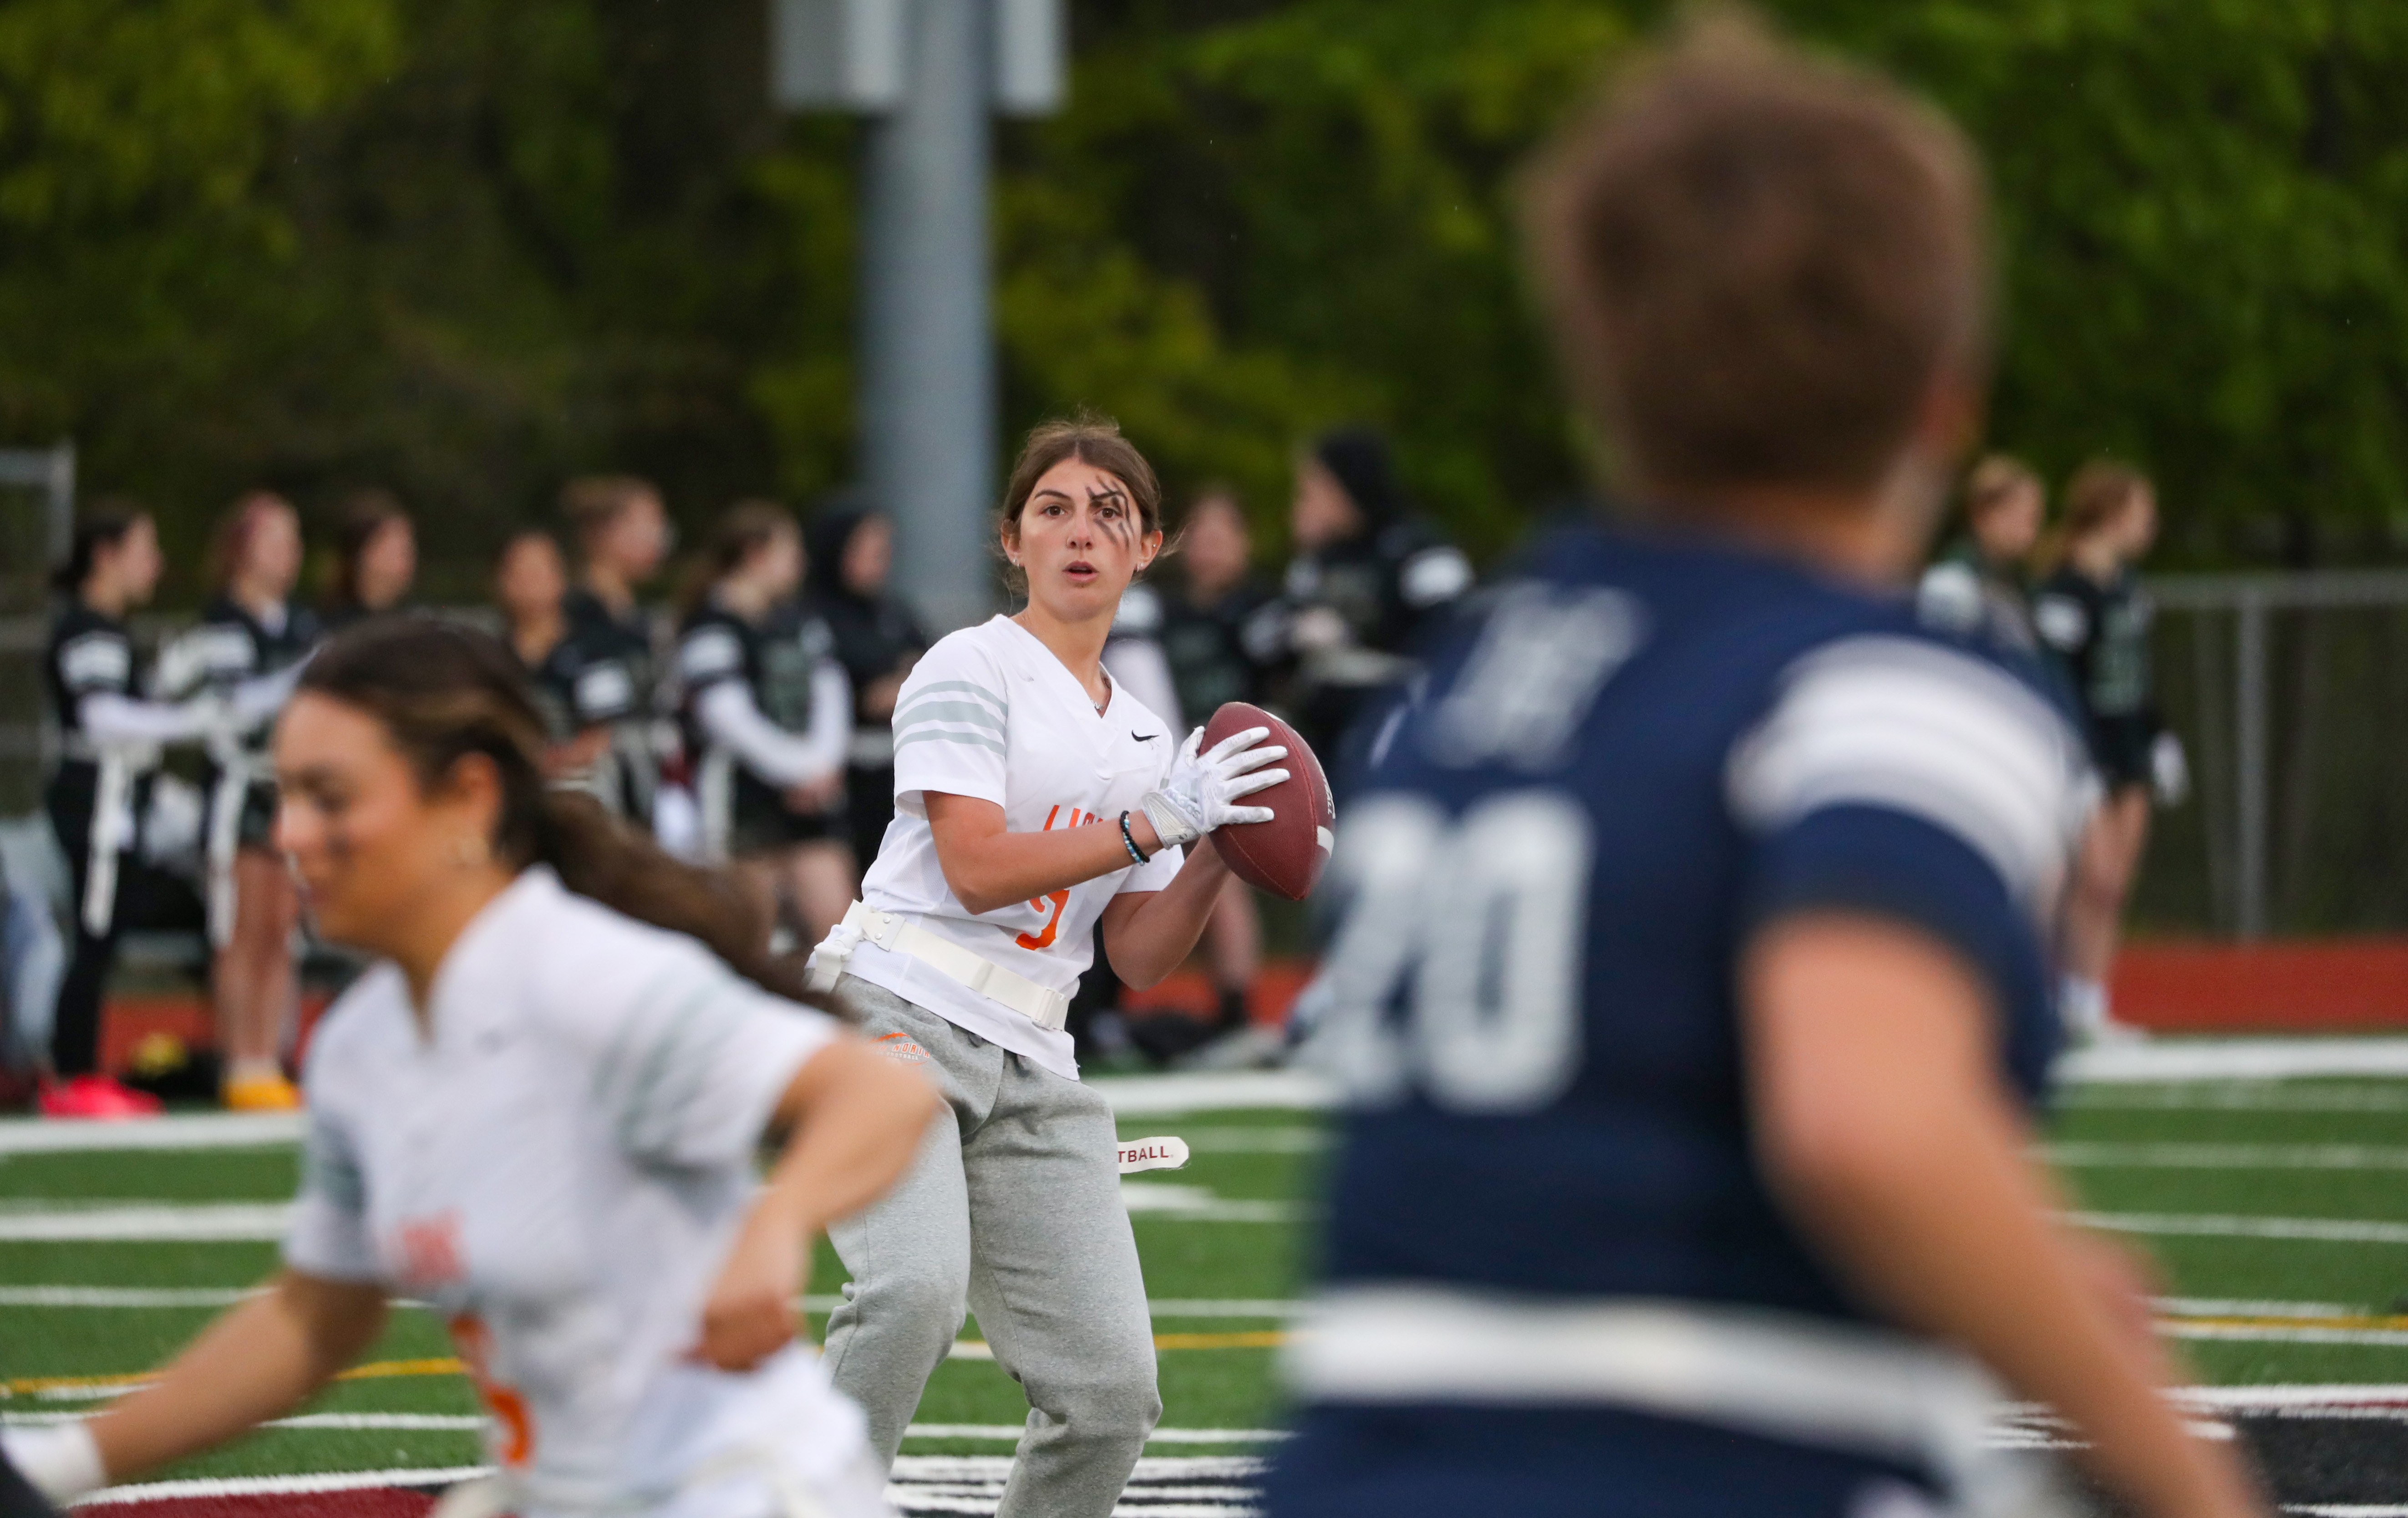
(1128, 839)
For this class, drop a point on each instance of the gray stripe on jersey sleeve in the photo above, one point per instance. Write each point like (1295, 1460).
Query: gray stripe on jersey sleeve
(653, 1079)
(952, 712)
(957, 701)
(328, 1170)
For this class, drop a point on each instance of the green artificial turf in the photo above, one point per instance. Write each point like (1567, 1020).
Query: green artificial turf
(1268, 1156)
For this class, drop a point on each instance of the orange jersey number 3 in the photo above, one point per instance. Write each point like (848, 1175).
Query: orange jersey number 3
(1057, 899)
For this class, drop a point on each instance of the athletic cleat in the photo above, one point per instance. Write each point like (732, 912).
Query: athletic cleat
(95, 1098)
(260, 1094)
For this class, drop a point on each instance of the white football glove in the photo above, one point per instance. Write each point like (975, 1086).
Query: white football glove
(1198, 795)
(2168, 770)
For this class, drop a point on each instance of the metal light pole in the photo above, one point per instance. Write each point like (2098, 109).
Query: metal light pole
(926, 73)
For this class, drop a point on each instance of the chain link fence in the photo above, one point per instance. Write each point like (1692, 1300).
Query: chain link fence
(2291, 692)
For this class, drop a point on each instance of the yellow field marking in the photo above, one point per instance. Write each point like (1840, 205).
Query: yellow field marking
(374, 1369)
(1259, 1339)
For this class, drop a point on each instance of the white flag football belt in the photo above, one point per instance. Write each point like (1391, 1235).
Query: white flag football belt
(1776, 1374)
(893, 932)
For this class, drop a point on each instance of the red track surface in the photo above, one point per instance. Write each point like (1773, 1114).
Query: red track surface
(370, 1502)
(2328, 985)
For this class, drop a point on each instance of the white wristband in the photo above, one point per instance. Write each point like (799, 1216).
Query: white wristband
(61, 1460)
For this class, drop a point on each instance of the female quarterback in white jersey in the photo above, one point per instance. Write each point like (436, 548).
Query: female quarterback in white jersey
(1034, 798)
(539, 1115)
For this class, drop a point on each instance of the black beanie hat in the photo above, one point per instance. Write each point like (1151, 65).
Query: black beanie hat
(1359, 458)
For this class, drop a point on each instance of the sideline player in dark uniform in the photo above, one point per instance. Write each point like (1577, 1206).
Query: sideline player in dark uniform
(878, 640)
(1219, 628)
(2094, 619)
(1980, 584)
(623, 537)
(376, 560)
(1367, 577)
(770, 718)
(583, 691)
(98, 794)
(1690, 992)
(249, 646)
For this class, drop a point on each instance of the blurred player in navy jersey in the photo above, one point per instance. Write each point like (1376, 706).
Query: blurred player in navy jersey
(1690, 989)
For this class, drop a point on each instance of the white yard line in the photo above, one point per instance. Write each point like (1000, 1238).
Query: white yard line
(149, 1222)
(2286, 1333)
(1009, 1433)
(124, 1296)
(414, 1423)
(145, 1222)
(2156, 1061)
(2152, 1157)
(331, 1480)
(197, 1130)
(469, 1423)
(1233, 1140)
(2251, 1307)
(2239, 1097)
(1145, 1095)
(2234, 1059)
(2210, 1225)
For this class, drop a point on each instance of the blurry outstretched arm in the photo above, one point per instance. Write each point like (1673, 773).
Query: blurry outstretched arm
(853, 1122)
(258, 1362)
(1883, 1126)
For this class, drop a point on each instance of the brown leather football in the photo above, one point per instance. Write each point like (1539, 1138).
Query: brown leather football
(1283, 856)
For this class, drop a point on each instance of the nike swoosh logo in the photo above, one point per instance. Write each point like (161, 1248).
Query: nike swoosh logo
(1145, 738)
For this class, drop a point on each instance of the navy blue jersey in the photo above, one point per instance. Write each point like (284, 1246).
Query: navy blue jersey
(1633, 757)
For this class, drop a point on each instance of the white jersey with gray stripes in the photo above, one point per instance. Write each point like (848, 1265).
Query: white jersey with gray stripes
(556, 1161)
(990, 714)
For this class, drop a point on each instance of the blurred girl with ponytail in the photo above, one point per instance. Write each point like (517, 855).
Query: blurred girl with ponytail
(2094, 619)
(538, 1113)
(769, 720)
(246, 650)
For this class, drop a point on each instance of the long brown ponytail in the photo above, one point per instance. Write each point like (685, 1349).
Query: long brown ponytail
(741, 531)
(443, 692)
(2094, 498)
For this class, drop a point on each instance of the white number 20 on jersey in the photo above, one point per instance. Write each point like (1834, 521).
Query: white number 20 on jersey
(1480, 920)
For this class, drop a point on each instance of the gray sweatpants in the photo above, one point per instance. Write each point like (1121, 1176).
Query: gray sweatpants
(1013, 1210)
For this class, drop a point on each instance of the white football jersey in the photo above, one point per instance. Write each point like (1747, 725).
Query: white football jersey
(559, 1170)
(990, 712)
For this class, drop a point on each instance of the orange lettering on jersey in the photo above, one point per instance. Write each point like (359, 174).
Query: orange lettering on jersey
(509, 1410)
(1058, 898)
(430, 1251)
